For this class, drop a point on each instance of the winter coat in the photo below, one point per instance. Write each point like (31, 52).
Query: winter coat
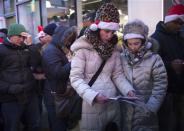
(55, 63)
(171, 48)
(85, 63)
(15, 71)
(57, 69)
(149, 79)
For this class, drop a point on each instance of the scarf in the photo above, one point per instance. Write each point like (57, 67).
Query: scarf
(105, 50)
(135, 58)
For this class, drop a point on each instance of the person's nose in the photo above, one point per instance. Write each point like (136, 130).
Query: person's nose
(133, 48)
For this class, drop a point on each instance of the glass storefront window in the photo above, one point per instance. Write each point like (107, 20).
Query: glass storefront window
(29, 16)
(9, 4)
(10, 20)
(90, 6)
(61, 12)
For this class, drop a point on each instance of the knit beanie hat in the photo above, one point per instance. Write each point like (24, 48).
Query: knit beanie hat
(175, 12)
(135, 29)
(49, 29)
(107, 17)
(16, 29)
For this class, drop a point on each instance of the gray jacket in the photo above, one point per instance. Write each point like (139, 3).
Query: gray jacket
(149, 79)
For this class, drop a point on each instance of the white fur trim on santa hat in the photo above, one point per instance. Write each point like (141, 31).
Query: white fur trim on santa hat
(40, 34)
(108, 25)
(132, 36)
(170, 18)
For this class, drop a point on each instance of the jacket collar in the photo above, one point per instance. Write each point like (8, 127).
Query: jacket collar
(8, 44)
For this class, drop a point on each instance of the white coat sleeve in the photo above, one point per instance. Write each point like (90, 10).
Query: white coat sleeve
(77, 77)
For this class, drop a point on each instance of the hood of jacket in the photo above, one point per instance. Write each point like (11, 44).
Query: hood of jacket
(148, 48)
(58, 35)
(160, 27)
(81, 43)
(64, 36)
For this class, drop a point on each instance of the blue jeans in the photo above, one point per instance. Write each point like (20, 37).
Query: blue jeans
(55, 123)
(14, 112)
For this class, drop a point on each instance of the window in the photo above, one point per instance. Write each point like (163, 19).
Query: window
(29, 15)
(10, 20)
(9, 6)
(61, 12)
(9, 11)
(90, 6)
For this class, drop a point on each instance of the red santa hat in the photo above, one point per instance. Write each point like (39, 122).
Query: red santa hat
(175, 12)
(41, 33)
(40, 28)
(107, 17)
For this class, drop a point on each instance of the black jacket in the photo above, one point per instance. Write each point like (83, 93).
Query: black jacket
(171, 48)
(15, 69)
(55, 63)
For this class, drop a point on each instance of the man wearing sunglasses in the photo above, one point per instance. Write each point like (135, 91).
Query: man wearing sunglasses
(18, 98)
(171, 115)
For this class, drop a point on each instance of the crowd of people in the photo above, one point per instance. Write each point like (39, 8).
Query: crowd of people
(147, 69)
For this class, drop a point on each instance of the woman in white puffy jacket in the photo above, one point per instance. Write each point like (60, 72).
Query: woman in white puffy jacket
(146, 72)
(90, 50)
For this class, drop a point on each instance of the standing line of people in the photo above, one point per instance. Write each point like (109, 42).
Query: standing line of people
(143, 69)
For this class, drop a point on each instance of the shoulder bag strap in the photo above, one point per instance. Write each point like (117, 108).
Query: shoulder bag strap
(95, 76)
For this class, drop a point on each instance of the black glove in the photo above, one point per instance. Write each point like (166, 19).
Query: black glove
(16, 89)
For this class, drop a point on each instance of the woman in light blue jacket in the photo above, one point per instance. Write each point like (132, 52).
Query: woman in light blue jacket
(145, 70)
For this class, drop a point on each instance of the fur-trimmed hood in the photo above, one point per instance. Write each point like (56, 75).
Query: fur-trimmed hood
(151, 44)
(81, 43)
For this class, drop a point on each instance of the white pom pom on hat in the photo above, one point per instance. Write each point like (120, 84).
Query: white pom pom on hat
(93, 27)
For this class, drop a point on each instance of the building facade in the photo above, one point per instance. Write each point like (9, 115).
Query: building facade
(32, 13)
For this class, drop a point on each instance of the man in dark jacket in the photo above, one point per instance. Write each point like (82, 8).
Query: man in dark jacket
(172, 52)
(17, 84)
